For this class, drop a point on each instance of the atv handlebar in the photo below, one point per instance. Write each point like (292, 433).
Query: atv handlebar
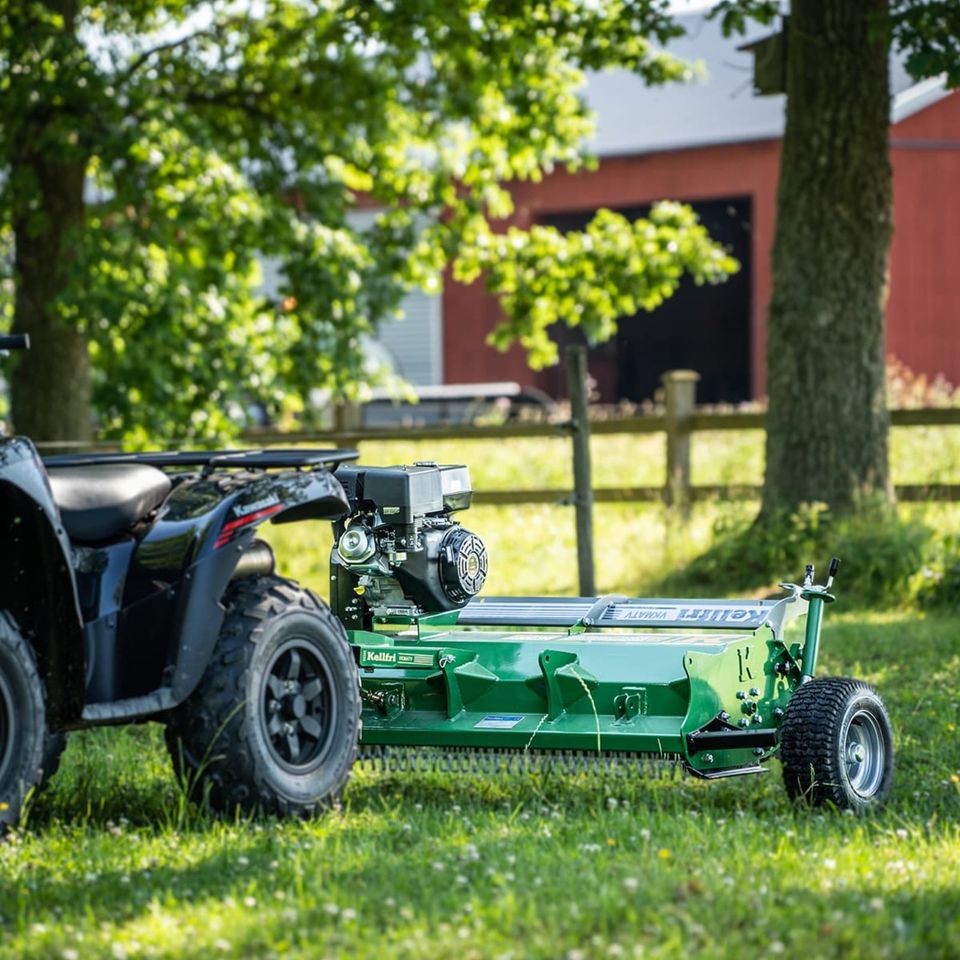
(17, 341)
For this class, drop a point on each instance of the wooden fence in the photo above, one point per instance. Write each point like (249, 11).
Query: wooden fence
(679, 421)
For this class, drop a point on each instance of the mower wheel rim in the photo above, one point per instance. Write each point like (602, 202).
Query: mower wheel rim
(298, 706)
(864, 754)
(8, 728)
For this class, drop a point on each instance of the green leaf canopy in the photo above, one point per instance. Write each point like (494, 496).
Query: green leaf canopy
(210, 136)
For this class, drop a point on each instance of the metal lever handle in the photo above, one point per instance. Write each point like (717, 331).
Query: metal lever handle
(832, 572)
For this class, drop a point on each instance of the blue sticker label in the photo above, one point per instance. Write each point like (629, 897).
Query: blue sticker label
(497, 721)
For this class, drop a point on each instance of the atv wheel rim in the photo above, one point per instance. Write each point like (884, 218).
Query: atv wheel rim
(8, 728)
(298, 706)
(864, 754)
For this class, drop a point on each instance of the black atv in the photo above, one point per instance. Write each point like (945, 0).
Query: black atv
(133, 588)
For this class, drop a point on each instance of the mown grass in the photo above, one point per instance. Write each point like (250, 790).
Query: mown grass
(111, 862)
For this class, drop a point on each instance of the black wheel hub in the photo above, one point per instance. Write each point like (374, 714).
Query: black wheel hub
(298, 706)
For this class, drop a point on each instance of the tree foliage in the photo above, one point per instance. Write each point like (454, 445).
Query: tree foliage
(612, 269)
(211, 135)
(928, 31)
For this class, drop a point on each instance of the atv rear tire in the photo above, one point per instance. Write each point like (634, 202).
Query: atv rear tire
(836, 745)
(274, 724)
(22, 722)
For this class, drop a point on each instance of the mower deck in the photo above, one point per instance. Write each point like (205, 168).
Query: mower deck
(712, 697)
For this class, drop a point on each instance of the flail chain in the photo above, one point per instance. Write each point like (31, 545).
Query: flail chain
(459, 760)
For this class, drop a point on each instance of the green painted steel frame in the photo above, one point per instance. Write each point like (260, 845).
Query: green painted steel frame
(428, 683)
(816, 597)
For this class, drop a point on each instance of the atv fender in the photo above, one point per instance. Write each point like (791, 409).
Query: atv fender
(283, 498)
(36, 580)
(192, 551)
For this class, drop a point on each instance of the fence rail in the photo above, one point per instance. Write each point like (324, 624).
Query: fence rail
(678, 422)
(906, 493)
(642, 423)
(677, 427)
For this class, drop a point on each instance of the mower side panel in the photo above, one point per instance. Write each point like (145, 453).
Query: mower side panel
(708, 699)
(742, 690)
(588, 692)
(36, 582)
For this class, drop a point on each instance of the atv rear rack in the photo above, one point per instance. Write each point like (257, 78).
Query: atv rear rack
(210, 460)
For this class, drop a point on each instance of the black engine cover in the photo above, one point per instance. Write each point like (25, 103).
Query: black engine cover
(406, 493)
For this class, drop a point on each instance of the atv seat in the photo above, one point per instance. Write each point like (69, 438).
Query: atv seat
(98, 502)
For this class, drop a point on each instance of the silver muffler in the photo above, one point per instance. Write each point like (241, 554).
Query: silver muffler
(256, 561)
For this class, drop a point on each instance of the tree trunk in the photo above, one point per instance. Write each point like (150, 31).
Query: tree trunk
(50, 386)
(827, 419)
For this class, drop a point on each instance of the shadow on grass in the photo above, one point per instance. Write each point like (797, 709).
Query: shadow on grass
(341, 889)
(106, 841)
(107, 775)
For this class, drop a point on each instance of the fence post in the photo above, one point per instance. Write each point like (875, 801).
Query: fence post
(680, 390)
(347, 416)
(576, 361)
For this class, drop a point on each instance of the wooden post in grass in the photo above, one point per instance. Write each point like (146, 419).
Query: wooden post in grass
(576, 360)
(680, 398)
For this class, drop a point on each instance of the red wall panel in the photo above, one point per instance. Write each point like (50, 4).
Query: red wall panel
(923, 312)
(723, 171)
(924, 304)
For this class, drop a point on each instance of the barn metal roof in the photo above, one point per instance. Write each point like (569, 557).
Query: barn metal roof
(718, 106)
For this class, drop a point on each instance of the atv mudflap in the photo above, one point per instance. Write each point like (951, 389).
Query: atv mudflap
(711, 698)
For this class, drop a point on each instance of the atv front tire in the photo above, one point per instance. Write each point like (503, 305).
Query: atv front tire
(274, 724)
(836, 745)
(22, 721)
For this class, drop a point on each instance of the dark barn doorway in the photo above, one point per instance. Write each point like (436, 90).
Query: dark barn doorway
(705, 328)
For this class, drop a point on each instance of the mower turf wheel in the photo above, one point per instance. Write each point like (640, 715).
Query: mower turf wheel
(274, 724)
(836, 745)
(22, 721)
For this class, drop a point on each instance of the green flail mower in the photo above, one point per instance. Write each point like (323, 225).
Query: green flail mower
(454, 681)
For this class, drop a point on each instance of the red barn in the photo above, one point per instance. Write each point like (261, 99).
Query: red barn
(716, 145)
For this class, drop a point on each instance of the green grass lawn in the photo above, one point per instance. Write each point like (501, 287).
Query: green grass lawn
(111, 862)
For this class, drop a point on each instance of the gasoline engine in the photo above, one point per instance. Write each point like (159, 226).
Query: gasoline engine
(399, 553)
